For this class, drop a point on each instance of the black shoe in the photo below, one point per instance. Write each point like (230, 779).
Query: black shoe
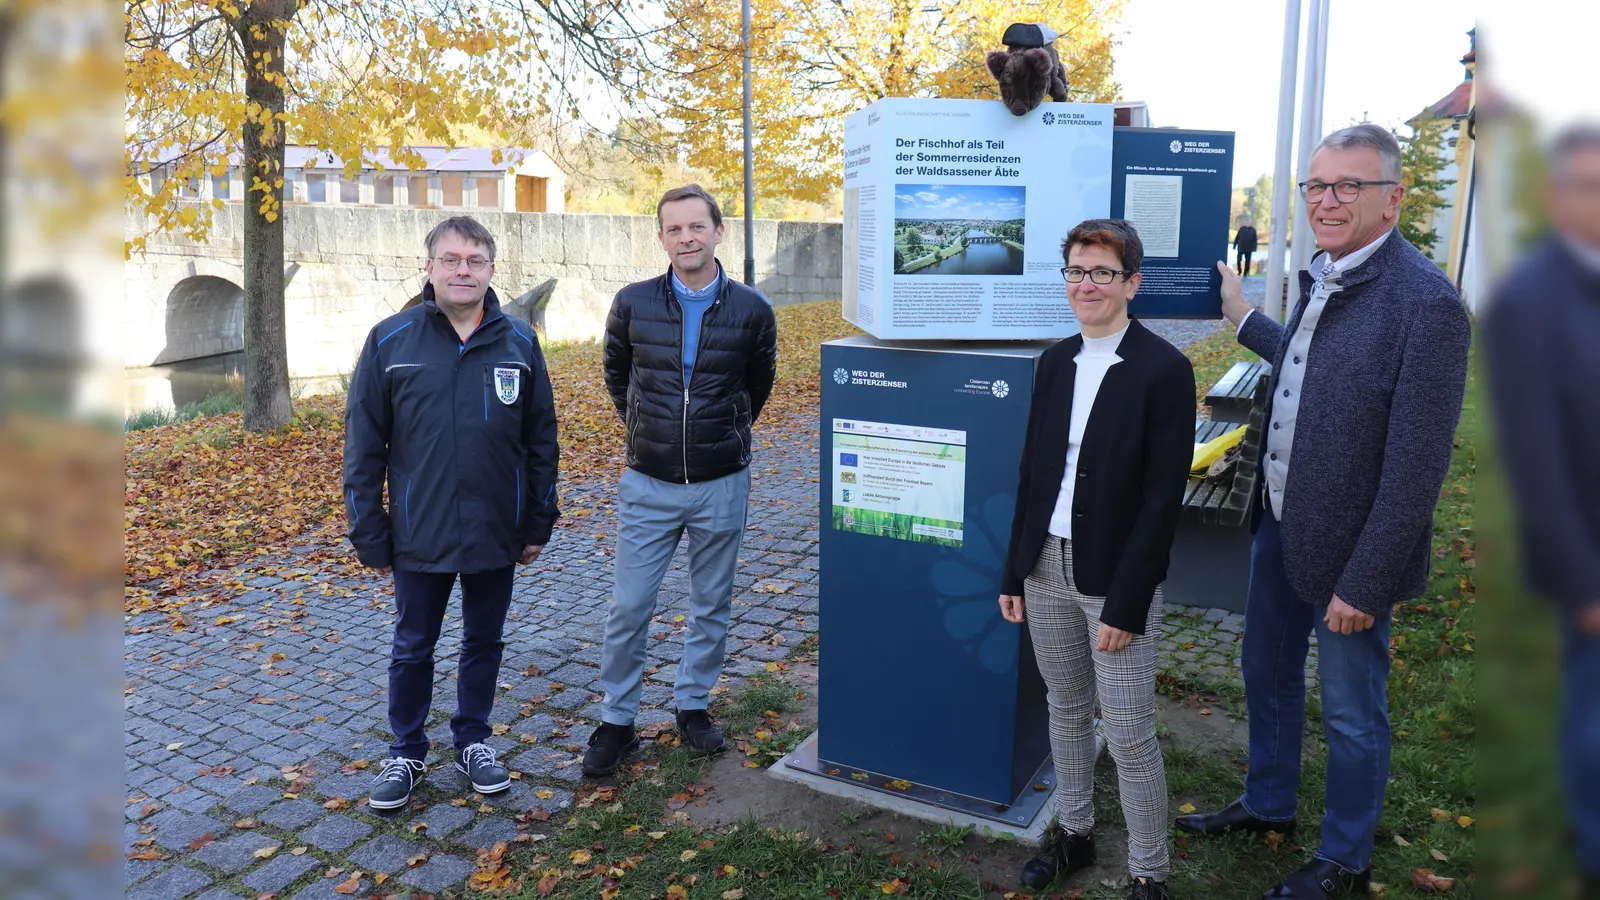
(1062, 855)
(607, 746)
(478, 763)
(396, 780)
(1233, 817)
(1149, 889)
(1319, 880)
(699, 733)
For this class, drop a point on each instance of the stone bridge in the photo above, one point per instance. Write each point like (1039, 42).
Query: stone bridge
(348, 267)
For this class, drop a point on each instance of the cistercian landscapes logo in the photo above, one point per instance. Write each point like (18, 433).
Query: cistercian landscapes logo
(1049, 118)
(1175, 147)
(1000, 388)
(841, 376)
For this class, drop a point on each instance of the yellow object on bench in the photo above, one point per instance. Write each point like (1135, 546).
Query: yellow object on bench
(1212, 450)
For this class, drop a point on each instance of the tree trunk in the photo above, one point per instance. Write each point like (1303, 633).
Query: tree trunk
(266, 348)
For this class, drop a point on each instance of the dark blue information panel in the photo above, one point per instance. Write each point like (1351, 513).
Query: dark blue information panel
(1176, 186)
(920, 677)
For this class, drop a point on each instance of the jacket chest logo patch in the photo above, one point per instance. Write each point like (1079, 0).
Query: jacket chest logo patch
(508, 385)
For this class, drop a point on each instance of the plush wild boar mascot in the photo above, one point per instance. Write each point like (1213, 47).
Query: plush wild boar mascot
(1028, 68)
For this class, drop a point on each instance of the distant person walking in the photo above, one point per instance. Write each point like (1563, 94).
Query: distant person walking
(1244, 243)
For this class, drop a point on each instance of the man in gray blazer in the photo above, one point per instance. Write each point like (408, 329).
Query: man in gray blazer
(1368, 378)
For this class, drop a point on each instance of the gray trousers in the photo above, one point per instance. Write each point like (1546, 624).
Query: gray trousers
(1065, 628)
(652, 516)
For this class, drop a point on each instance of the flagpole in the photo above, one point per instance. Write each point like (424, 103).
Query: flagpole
(749, 178)
(1281, 182)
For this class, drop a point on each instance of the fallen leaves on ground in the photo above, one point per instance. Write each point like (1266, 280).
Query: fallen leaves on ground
(205, 496)
(1424, 880)
(1212, 358)
(57, 477)
(493, 875)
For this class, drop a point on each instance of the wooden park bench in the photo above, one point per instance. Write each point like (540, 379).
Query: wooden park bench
(1233, 396)
(1211, 555)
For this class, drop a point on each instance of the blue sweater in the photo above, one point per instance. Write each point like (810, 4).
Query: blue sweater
(695, 304)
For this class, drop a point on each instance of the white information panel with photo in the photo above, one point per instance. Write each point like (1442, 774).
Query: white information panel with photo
(954, 213)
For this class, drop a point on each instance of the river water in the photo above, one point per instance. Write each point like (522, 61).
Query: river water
(979, 259)
(175, 385)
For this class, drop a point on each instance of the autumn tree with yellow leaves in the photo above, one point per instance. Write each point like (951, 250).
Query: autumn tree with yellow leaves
(815, 61)
(214, 80)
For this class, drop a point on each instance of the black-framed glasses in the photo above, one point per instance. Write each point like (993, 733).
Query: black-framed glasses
(1343, 191)
(451, 262)
(1073, 274)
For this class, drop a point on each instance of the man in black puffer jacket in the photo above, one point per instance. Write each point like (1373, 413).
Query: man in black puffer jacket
(690, 358)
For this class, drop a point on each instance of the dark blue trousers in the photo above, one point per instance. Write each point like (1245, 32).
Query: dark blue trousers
(420, 601)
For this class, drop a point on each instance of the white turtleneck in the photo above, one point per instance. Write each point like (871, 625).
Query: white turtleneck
(1094, 360)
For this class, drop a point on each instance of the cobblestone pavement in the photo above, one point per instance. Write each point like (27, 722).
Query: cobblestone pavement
(271, 709)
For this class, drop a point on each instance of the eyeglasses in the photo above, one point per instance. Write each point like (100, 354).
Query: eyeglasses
(1344, 191)
(453, 262)
(1073, 274)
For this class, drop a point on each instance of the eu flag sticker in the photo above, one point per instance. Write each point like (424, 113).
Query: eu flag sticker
(848, 459)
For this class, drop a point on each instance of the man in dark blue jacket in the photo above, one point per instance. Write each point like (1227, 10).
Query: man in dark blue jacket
(690, 359)
(451, 407)
(1367, 382)
(1539, 334)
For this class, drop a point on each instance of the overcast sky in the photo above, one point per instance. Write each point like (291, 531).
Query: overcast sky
(1212, 64)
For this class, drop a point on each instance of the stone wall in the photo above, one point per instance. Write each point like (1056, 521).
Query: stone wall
(351, 266)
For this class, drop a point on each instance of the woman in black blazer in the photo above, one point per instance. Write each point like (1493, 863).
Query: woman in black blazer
(1110, 439)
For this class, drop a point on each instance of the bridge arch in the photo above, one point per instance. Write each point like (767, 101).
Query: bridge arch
(204, 317)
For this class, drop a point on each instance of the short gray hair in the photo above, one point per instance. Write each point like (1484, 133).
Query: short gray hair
(465, 227)
(1569, 142)
(1370, 136)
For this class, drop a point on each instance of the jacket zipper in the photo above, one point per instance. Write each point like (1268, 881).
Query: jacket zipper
(692, 367)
